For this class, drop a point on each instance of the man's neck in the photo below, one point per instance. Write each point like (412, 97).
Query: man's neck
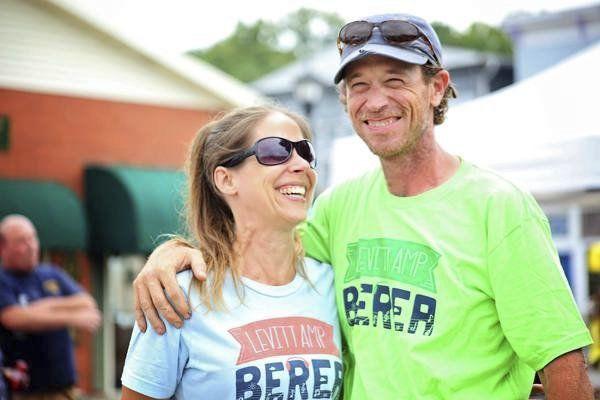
(425, 167)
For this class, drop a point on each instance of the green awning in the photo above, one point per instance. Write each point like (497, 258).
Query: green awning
(130, 208)
(54, 209)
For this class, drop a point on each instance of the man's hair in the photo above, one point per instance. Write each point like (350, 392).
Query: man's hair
(439, 112)
(429, 71)
(210, 220)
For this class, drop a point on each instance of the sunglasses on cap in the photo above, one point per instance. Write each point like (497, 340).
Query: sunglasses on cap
(395, 32)
(274, 151)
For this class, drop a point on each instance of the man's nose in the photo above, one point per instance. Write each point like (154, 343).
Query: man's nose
(377, 101)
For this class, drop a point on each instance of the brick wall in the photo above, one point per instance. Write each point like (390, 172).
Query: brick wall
(54, 137)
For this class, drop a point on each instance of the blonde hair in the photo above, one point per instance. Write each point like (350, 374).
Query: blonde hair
(209, 218)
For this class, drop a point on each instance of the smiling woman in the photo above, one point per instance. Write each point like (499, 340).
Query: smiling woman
(270, 318)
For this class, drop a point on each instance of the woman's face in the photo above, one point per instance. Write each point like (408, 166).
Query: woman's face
(274, 196)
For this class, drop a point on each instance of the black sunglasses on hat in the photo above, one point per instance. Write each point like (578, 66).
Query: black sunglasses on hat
(394, 32)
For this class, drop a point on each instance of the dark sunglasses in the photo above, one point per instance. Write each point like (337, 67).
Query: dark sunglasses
(273, 151)
(395, 32)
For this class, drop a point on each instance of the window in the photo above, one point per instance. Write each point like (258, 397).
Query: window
(559, 224)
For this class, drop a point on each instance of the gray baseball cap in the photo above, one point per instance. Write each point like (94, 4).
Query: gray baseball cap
(418, 51)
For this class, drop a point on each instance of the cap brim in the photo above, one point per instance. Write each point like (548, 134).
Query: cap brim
(397, 53)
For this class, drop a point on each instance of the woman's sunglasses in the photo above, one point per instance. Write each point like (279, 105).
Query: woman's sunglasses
(273, 151)
(395, 32)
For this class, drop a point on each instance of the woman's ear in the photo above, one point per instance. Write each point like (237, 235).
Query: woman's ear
(225, 181)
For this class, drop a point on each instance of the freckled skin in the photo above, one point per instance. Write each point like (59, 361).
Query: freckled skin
(382, 90)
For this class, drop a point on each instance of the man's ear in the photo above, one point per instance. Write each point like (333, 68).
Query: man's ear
(439, 82)
(225, 181)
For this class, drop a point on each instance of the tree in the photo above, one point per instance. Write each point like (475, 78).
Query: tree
(249, 53)
(252, 51)
(478, 36)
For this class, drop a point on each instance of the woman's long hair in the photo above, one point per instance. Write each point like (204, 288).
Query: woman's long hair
(209, 218)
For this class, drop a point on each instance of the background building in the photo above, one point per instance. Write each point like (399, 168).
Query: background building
(93, 130)
(541, 41)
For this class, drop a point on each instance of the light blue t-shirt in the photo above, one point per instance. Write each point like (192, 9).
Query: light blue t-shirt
(282, 340)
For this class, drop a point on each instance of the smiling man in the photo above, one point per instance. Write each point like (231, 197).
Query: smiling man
(448, 285)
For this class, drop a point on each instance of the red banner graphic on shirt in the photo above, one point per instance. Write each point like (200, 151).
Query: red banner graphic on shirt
(284, 336)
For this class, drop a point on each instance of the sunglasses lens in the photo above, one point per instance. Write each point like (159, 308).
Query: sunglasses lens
(399, 31)
(306, 151)
(273, 151)
(356, 32)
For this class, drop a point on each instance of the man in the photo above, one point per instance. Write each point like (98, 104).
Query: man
(3, 389)
(448, 284)
(38, 303)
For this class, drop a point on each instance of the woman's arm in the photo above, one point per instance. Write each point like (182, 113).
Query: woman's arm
(128, 394)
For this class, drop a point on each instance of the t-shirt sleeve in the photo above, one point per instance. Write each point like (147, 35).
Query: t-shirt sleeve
(535, 306)
(316, 231)
(154, 363)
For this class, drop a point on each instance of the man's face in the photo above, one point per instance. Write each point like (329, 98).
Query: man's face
(20, 247)
(389, 103)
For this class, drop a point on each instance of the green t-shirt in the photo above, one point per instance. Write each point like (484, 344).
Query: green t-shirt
(456, 293)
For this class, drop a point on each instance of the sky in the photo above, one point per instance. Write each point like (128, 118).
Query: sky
(181, 25)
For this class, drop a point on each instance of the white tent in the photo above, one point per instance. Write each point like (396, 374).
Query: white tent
(543, 132)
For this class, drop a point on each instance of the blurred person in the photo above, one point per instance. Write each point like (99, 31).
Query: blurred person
(448, 284)
(38, 303)
(265, 322)
(3, 388)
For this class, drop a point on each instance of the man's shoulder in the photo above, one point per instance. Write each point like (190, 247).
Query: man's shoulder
(48, 270)
(490, 183)
(499, 193)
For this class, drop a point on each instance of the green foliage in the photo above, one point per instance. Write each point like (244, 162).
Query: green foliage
(478, 36)
(252, 51)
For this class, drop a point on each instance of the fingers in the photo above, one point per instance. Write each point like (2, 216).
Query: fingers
(147, 307)
(197, 264)
(176, 297)
(140, 319)
(162, 305)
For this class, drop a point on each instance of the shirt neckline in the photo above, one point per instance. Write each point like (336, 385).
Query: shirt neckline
(272, 290)
(427, 196)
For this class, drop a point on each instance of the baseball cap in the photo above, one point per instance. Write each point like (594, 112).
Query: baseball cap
(418, 51)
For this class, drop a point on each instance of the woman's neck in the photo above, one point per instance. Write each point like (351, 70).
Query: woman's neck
(266, 256)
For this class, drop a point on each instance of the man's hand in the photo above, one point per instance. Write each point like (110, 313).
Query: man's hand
(157, 278)
(566, 378)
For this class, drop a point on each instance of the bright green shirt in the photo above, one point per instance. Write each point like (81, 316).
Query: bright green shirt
(456, 293)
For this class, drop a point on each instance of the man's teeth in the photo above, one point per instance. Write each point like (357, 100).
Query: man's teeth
(383, 122)
(293, 190)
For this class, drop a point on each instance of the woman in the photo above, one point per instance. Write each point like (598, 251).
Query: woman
(265, 323)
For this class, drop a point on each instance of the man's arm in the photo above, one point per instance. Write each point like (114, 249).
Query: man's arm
(76, 302)
(158, 277)
(566, 378)
(77, 311)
